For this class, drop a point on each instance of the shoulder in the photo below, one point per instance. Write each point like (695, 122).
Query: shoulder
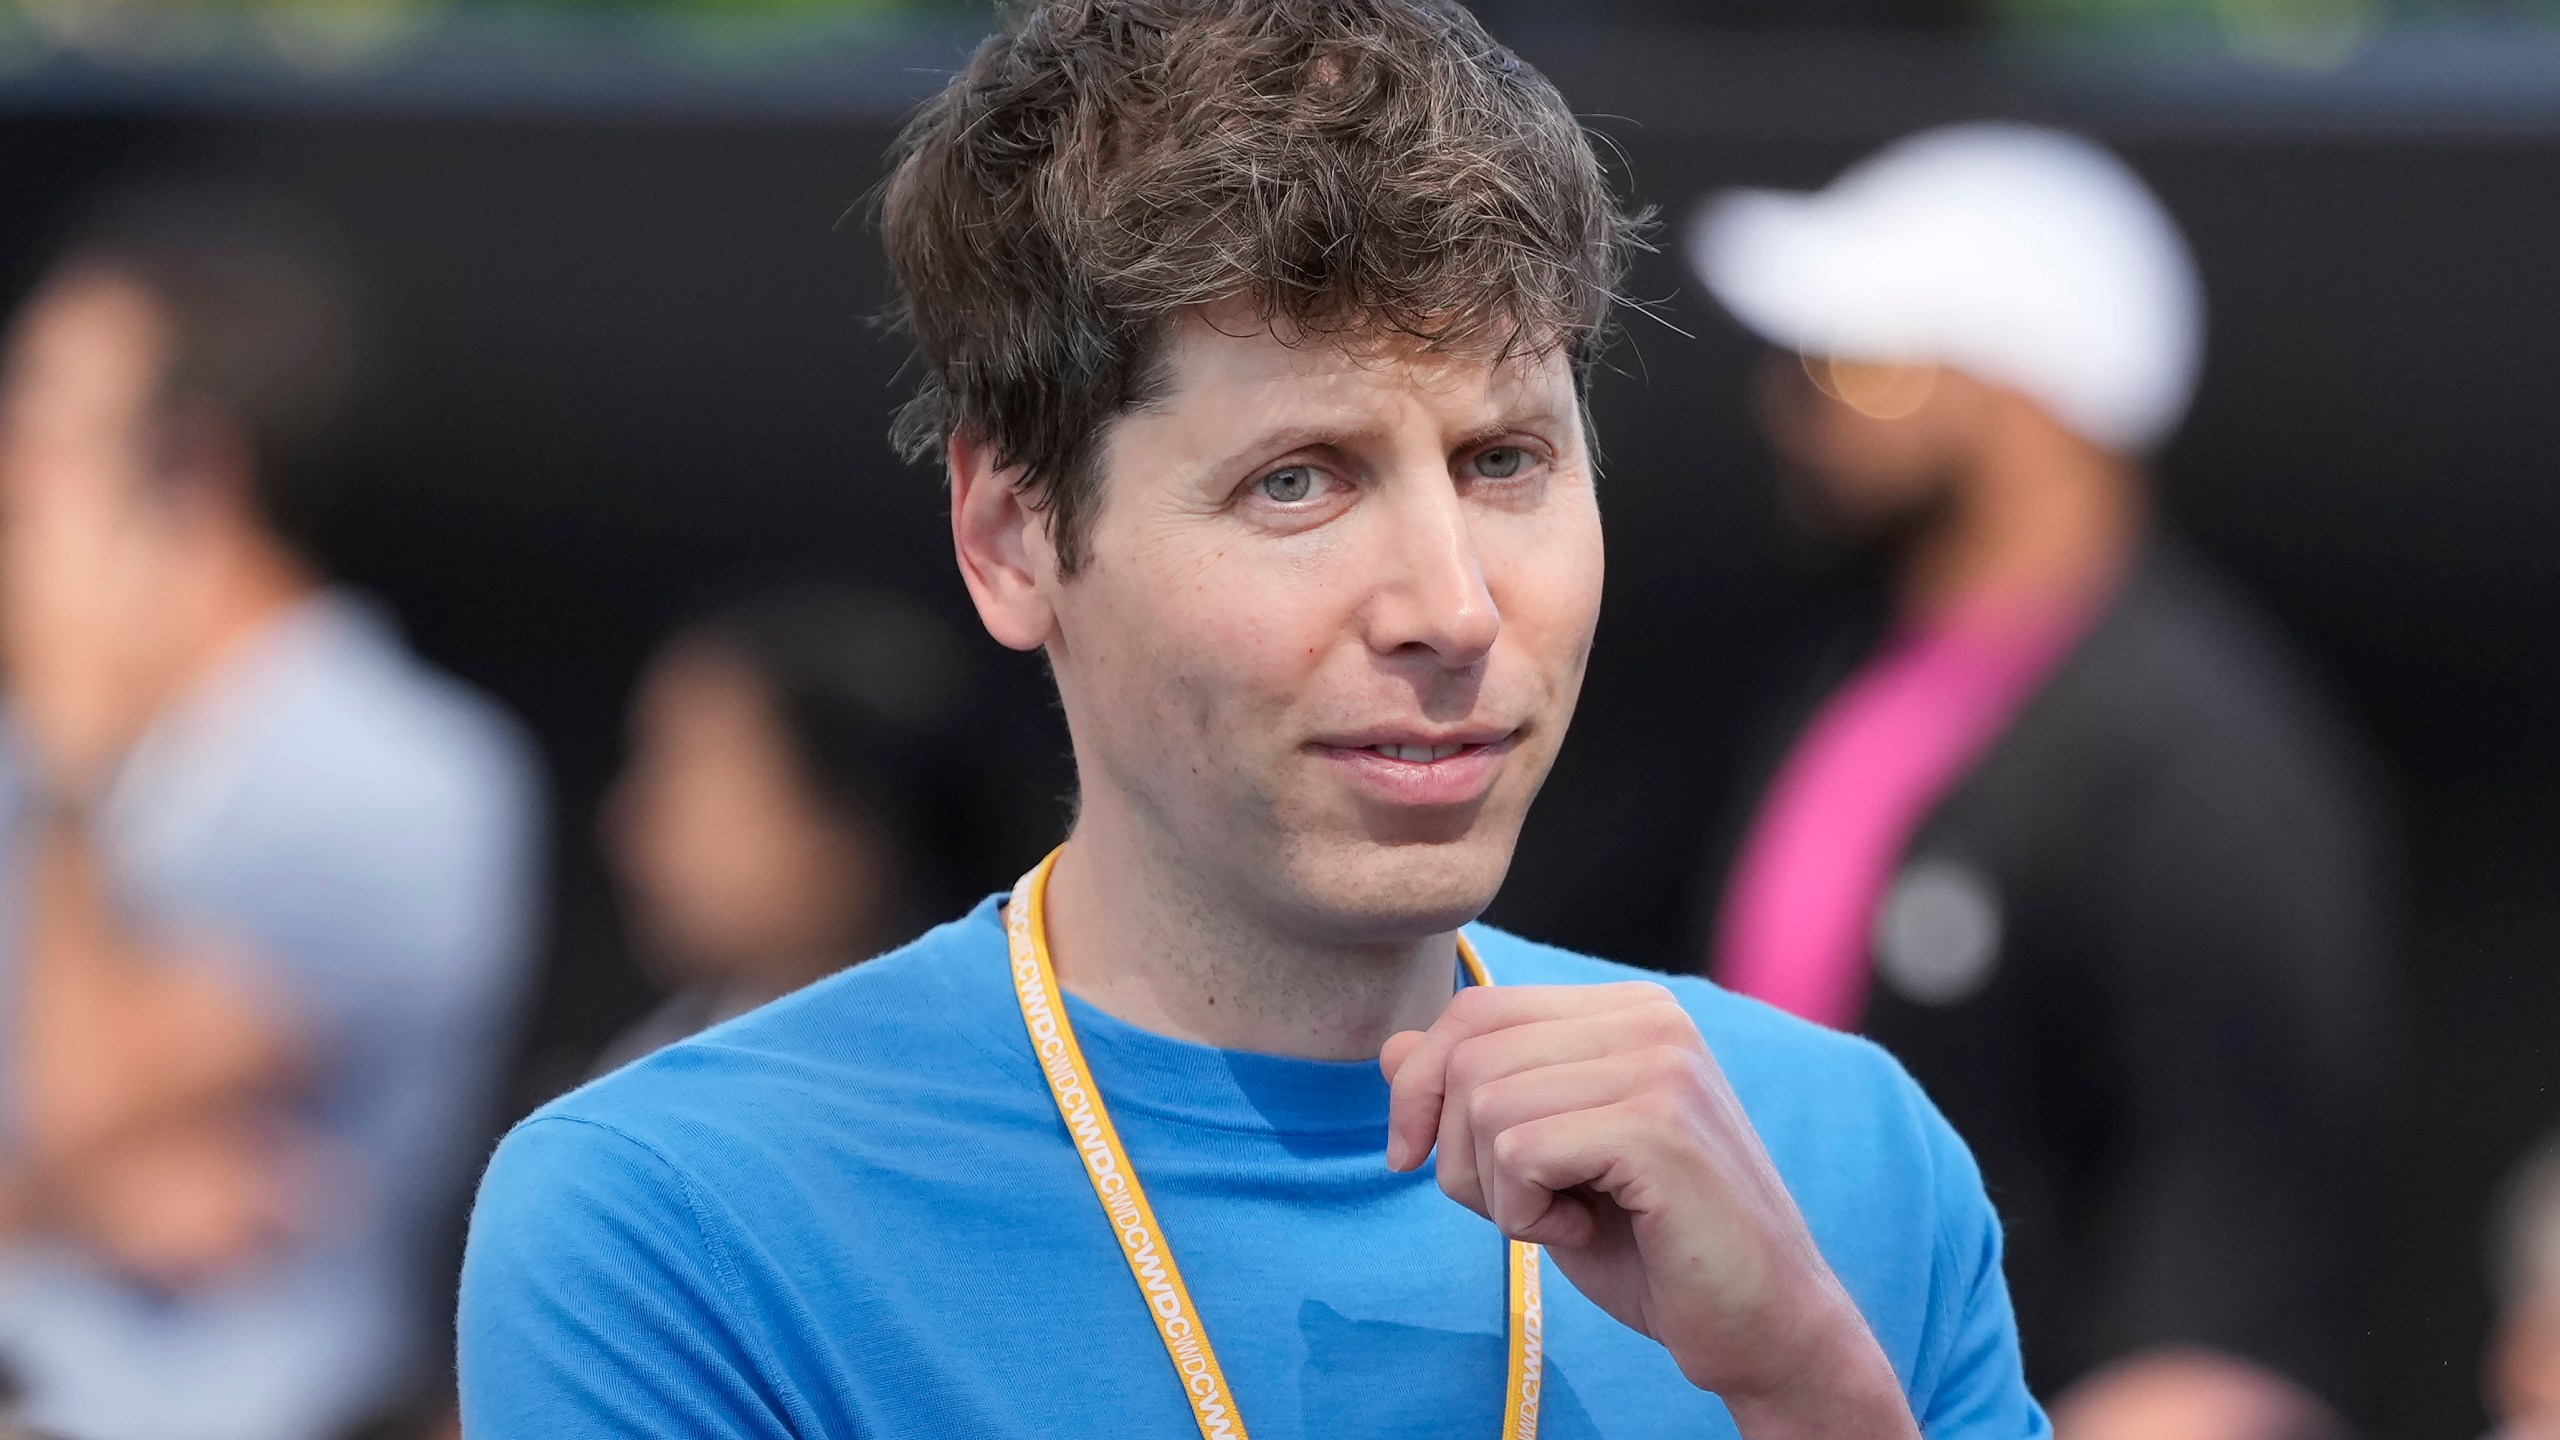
(601, 1294)
(2224, 737)
(848, 1061)
(557, 1171)
(577, 1217)
(369, 727)
(686, 1171)
(2197, 665)
(407, 810)
(663, 1162)
(2184, 718)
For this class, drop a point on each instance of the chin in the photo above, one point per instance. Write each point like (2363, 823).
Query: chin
(1362, 891)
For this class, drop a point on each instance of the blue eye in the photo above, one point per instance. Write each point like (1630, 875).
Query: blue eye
(1501, 462)
(1288, 486)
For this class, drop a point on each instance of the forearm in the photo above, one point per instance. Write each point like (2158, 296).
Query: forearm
(183, 1203)
(1844, 1388)
(112, 1039)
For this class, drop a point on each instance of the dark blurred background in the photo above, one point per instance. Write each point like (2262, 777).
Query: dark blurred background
(628, 284)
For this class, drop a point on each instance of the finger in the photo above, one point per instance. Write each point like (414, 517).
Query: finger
(1501, 1106)
(1526, 1049)
(1653, 1019)
(1532, 1166)
(1548, 1179)
(1398, 1047)
(1591, 1084)
(1420, 1082)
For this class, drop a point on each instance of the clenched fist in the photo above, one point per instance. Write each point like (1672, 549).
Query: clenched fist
(1592, 1120)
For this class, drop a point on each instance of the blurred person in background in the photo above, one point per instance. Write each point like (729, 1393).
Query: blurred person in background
(2070, 831)
(786, 808)
(266, 880)
(2521, 1377)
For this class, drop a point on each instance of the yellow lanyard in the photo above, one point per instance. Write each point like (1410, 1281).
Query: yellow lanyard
(1124, 1200)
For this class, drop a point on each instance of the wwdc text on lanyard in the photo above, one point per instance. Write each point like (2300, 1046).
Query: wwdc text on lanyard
(1124, 1200)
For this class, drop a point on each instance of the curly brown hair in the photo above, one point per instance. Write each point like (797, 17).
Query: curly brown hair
(1348, 167)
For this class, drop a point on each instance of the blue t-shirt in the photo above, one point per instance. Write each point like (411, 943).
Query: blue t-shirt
(855, 1212)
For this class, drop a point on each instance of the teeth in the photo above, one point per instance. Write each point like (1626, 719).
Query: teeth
(1421, 754)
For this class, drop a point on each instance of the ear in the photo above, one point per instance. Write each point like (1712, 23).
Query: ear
(1003, 546)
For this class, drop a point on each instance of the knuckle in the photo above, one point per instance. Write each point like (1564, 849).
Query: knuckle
(1465, 1059)
(1661, 1105)
(1667, 1024)
(1669, 1066)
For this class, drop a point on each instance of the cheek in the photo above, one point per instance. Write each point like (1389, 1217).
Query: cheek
(1546, 580)
(705, 838)
(1221, 650)
(1883, 459)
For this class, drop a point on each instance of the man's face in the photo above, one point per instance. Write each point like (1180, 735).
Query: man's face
(93, 597)
(1332, 622)
(83, 360)
(735, 867)
(1868, 450)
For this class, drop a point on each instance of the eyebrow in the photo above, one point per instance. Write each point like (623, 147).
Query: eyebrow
(1290, 438)
(1319, 432)
(1313, 434)
(1512, 422)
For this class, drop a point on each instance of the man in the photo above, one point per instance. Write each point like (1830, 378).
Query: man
(267, 876)
(1253, 333)
(2075, 839)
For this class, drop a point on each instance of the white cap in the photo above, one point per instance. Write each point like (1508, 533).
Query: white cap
(2025, 257)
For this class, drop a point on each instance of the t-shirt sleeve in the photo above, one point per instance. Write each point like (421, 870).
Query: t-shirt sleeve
(385, 902)
(1970, 1383)
(592, 1303)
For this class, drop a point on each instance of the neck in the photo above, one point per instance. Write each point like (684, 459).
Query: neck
(242, 583)
(2042, 521)
(1153, 943)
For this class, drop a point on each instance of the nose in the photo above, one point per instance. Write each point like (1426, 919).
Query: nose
(1432, 597)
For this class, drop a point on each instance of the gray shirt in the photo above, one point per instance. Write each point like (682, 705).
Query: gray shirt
(360, 836)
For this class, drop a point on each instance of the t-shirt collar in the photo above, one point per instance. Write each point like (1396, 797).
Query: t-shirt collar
(1144, 1072)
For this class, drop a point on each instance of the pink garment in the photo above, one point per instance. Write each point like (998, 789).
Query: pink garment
(1801, 909)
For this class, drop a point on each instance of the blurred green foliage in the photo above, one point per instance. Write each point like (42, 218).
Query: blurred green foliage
(2270, 15)
(2294, 34)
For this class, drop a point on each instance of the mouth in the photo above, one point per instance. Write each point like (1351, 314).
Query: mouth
(1420, 770)
(1419, 754)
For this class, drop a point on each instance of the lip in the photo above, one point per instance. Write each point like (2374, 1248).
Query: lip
(1459, 779)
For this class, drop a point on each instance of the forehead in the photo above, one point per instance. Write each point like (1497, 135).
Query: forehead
(88, 327)
(697, 667)
(1226, 366)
